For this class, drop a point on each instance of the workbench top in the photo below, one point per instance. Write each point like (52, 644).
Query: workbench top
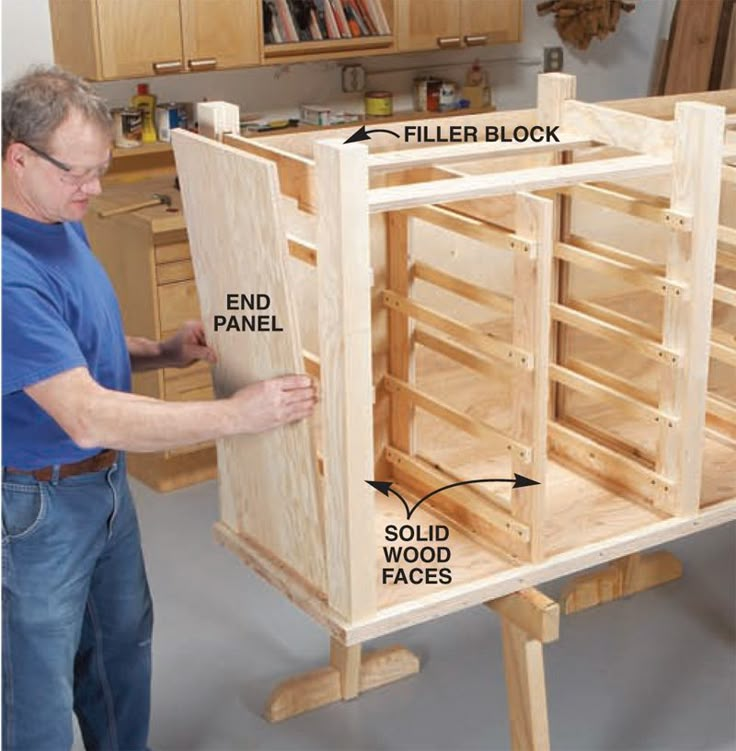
(118, 192)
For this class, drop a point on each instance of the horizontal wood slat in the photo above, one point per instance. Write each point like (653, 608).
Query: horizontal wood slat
(606, 330)
(477, 428)
(488, 344)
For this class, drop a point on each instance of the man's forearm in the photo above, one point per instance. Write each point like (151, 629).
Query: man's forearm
(145, 354)
(95, 416)
(131, 422)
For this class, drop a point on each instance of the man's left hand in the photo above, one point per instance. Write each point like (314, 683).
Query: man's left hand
(187, 346)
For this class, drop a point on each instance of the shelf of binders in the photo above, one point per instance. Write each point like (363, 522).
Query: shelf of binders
(294, 29)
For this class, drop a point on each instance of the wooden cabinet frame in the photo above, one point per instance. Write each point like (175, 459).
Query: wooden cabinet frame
(303, 517)
(107, 39)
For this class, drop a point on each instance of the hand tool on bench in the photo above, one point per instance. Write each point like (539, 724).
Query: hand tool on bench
(157, 199)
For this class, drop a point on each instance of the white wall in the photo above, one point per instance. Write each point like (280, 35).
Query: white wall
(618, 67)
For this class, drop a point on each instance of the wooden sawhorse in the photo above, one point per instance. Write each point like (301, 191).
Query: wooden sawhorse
(529, 619)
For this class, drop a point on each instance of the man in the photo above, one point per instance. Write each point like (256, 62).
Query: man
(77, 615)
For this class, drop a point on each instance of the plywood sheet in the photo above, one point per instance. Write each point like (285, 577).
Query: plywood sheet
(268, 486)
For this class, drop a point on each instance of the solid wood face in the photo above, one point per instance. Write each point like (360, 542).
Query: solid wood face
(136, 34)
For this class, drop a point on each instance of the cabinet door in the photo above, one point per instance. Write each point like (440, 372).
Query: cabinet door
(428, 24)
(138, 35)
(220, 33)
(484, 22)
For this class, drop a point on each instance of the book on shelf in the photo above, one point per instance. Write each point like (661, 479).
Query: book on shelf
(315, 20)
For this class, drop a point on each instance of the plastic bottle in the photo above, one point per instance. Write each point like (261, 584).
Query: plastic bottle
(146, 103)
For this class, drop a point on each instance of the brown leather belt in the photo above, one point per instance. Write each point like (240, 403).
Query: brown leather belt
(95, 463)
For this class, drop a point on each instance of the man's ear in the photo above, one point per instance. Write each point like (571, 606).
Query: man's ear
(16, 156)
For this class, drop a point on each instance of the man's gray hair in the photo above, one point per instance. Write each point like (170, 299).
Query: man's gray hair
(36, 104)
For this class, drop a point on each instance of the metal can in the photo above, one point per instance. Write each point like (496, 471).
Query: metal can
(169, 116)
(379, 103)
(128, 123)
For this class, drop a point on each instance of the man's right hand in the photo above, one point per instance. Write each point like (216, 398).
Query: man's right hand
(267, 404)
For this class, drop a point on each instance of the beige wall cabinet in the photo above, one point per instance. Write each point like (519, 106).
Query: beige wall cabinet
(108, 39)
(433, 24)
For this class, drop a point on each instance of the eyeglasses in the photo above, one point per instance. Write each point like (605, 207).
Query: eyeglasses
(80, 176)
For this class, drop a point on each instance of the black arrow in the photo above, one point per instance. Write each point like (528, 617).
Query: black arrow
(362, 134)
(385, 487)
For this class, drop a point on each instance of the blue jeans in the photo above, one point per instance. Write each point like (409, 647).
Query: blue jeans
(77, 614)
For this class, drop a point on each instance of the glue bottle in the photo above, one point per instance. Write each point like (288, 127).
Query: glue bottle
(146, 103)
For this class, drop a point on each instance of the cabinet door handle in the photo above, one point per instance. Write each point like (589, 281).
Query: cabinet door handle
(448, 42)
(169, 66)
(473, 40)
(203, 63)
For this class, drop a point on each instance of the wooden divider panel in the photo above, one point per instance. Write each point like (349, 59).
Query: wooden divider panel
(268, 488)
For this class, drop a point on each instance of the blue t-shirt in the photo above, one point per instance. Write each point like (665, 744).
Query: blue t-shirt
(59, 312)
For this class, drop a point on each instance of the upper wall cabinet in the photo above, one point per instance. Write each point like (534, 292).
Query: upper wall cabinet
(107, 39)
(433, 24)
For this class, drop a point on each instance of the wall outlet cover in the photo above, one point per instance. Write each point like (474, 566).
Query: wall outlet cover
(353, 78)
(553, 59)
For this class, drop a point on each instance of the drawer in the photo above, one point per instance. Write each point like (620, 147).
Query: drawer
(177, 303)
(176, 271)
(172, 252)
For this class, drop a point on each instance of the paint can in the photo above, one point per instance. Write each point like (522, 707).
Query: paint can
(379, 103)
(128, 124)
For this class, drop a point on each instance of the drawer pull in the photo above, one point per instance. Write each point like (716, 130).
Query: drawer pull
(203, 63)
(448, 42)
(473, 40)
(169, 66)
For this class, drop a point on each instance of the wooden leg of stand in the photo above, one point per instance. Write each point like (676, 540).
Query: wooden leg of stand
(527, 693)
(346, 660)
(624, 577)
(350, 673)
(529, 619)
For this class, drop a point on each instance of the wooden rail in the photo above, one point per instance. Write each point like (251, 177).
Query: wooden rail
(476, 428)
(488, 344)
(476, 229)
(462, 288)
(524, 180)
(613, 333)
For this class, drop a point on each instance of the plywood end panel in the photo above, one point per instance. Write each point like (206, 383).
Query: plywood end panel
(268, 486)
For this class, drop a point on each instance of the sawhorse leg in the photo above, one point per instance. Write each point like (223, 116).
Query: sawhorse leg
(529, 620)
(350, 673)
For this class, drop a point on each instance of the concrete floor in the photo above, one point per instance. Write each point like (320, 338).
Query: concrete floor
(656, 671)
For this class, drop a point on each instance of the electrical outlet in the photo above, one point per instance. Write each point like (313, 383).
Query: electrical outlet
(552, 60)
(353, 78)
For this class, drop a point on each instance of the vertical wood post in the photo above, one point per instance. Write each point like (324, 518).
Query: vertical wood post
(531, 291)
(526, 688)
(344, 278)
(553, 89)
(346, 660)
(401, 348)
(691, 258)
